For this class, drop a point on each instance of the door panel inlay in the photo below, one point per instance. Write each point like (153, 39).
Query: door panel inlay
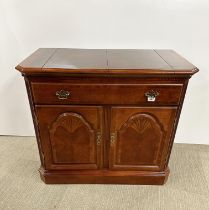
(139, 137)
(140, 134)
(72, 139)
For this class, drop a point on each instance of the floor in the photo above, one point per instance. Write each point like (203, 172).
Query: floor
(21, 188)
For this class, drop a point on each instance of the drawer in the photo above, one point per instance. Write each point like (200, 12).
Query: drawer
(143, 94)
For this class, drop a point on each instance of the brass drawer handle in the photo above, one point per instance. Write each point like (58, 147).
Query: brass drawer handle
(151, 95)
(62, 94)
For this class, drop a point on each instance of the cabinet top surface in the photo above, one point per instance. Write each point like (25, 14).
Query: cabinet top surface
(105, 61)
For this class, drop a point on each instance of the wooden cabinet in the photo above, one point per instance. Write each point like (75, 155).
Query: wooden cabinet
(105, 116)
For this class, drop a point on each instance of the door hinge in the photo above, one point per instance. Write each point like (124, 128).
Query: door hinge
(113, 138)
(99, 137)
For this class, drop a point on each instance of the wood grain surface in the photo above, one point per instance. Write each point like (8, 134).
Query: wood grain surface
(128, 61)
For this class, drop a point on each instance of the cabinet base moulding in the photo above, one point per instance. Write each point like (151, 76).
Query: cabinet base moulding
(104, 177)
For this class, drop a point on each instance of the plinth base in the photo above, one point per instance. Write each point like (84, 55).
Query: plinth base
(104, 177)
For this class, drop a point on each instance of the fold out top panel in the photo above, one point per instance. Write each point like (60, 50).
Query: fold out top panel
(117, 61)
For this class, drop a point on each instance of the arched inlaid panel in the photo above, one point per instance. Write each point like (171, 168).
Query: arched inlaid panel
(139, 140)
(72, 139)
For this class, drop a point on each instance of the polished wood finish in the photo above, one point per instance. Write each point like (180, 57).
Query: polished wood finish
(45, 93)
(36, 61)
(69, 136)
(105, 116)
(77, 59)
(141, 137)
(102, 61)
(129, 59)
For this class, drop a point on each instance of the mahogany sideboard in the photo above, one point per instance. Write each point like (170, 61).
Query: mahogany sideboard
(105, 116)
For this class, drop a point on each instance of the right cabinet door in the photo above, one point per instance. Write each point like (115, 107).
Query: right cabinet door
(139, 137)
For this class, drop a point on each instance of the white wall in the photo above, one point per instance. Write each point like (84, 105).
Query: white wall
(182, 25)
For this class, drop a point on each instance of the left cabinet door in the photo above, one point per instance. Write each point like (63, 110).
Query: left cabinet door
(71, 136)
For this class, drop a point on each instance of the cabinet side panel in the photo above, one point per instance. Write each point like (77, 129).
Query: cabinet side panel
(35, 120)
(176, 121)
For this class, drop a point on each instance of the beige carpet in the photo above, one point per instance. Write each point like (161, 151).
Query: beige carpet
(21, 187)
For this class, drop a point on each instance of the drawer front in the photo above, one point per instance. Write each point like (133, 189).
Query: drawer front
(143, 94)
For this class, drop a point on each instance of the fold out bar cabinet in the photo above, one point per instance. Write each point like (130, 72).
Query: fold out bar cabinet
(105, 116)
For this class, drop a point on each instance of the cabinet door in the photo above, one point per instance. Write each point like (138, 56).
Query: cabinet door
(70, 136)
(139, 137)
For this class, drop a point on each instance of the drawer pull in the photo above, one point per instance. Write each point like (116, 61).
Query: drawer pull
(151, 95)
(62, 94)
